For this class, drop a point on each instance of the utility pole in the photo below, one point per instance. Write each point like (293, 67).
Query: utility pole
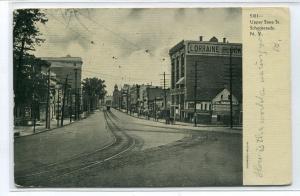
(120, 101)
(34, 114)
(70, 105)
(127, 100)
(33, 107)
(154, 108)
(195, 96)
(230, 86)
(76, 104)
(63, 103)
(58, 106)
(165, 95)
(165, 98)
(48, 100)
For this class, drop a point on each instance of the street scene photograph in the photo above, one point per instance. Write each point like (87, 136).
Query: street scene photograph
(127, 97)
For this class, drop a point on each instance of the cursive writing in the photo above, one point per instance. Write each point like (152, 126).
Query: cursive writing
(260, 106)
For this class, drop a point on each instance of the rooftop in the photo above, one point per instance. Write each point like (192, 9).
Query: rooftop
(212, 40)
(67, 58)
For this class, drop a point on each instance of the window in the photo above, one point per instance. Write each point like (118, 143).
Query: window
(177, 69)
(205, 106)
(229, 97)
(221, 97)
(182, 99)
(173, 74)
(182, 66)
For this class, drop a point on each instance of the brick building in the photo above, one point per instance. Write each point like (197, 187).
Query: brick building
(204, 66)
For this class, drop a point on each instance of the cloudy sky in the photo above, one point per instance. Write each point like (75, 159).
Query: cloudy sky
(131, 45)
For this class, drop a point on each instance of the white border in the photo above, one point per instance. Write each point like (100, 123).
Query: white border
(6, 97)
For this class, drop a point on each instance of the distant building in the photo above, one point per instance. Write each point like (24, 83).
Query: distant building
(124, 97)
(155, 100)
(116, 97)
(143, 107)
(145, 99)
(134, 96)
(204, 66)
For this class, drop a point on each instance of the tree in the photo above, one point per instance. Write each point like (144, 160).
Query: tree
(26, 34)
(29, 81)
(93, 90)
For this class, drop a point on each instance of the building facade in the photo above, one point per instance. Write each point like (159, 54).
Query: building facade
(116, 97)
(199, 69)
(146, 100)
(67, 71)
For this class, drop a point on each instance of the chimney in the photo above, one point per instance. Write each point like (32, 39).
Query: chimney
(200, 38)
(224, 40)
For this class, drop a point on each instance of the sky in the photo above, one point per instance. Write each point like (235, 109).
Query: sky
(131, 45)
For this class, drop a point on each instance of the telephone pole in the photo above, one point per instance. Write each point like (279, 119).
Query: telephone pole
(127, 100)
(33, 106)
(195, 96)
(230, 87)
(76, 100)
(230, 76)
(70, 105)
(154, 108)
(58, 106)
(47, 104)
(63, 102)
(165, 98)
(121, 100)
(165, 95)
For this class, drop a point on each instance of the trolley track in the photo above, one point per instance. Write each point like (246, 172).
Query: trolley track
(121, 144)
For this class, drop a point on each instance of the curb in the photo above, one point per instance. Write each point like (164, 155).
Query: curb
(51, 129)
(239, 128)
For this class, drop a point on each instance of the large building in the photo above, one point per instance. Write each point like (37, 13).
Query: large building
(199, 71)
(66, 67)
(67, 71)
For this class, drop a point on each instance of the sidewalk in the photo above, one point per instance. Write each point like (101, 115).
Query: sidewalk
(184, 124)
(40, 127)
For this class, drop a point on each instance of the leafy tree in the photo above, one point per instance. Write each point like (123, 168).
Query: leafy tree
(93, 90)
(29, 81)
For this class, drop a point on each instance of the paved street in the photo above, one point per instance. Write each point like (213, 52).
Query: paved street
(113, 149)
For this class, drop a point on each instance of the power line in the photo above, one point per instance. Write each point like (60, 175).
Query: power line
(111, 31)
(113, 76)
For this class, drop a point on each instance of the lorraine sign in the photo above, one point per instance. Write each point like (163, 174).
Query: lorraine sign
(214, 49)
